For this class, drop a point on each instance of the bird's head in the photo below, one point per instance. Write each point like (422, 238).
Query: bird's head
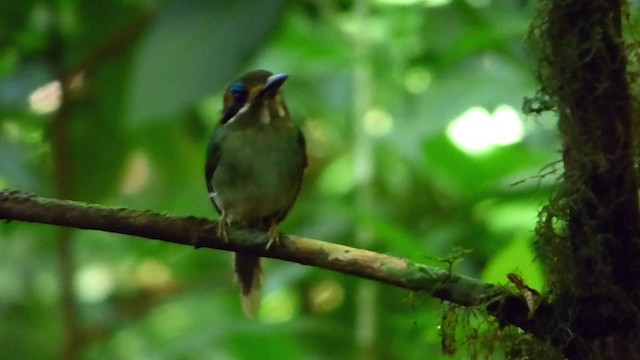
(256, 93)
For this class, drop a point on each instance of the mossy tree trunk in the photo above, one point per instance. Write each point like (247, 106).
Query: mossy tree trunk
(589, 235)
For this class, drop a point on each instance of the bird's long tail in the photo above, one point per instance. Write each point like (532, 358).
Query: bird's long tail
(249, 277)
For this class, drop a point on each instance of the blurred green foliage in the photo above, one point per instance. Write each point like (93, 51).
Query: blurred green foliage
(145, 80)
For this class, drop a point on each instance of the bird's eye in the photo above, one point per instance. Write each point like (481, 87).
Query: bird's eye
(238, 89)
(234, 99)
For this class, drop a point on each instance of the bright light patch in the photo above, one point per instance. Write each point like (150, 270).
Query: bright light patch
(417, 80)
(477, 131)
(279, 306)
(47, 98)
(95, 283)
(152, 274)
(469, 131)
(378, 122)
(137, 173)
(326, 296)
(508, 126)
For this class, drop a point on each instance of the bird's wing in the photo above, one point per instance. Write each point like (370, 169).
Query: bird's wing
(213, 158)
(302, 144)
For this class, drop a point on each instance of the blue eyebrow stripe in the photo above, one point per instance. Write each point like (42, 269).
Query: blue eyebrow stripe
(237, 87)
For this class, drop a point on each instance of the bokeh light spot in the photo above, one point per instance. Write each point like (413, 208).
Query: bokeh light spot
(417, 80)
(477, 131)
(47, 98)
(507, 125)
(95, 283)
(326, 296)
(377, 122)
(136, 175)
(279, 306)
(153, 274)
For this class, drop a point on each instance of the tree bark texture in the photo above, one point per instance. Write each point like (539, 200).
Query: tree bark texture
(593, 258)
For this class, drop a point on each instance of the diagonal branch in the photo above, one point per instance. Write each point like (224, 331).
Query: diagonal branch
(200, 232)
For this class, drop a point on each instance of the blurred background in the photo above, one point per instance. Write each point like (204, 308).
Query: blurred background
(417, 148)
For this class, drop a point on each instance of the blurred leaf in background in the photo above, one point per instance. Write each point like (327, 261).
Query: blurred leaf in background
(456, 166)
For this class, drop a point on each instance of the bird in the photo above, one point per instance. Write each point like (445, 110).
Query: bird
(255, 162)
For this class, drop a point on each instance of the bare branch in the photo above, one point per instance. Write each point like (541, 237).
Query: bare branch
(200, 232)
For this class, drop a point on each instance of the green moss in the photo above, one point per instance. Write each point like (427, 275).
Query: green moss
(477, 335)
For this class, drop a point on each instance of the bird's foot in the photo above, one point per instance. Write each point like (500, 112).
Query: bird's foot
(274, 236)
(222, 228)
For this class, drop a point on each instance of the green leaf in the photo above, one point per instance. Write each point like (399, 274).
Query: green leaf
(195, 47)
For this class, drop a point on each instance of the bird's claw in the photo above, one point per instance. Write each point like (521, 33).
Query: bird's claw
(274, 236)
(222, 229)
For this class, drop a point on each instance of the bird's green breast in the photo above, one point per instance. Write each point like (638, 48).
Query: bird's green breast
(259, 171)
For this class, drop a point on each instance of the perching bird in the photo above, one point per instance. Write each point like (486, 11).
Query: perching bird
(255, 161)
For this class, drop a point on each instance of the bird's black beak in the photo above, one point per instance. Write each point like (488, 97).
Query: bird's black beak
(273, 83)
